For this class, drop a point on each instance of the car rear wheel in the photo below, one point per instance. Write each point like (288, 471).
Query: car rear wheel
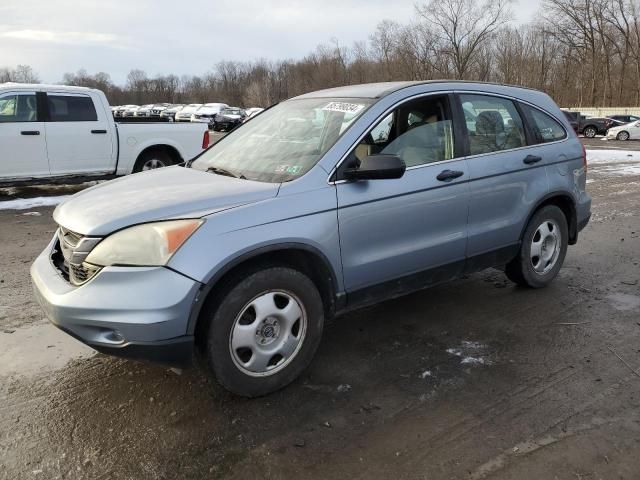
(265, 331)
(153, 159)
(623, 136)
(590, 132)
(542, 251)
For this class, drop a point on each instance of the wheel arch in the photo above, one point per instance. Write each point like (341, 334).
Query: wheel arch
(565, 202)
(303, 257)
(591, 125)
(170, 149)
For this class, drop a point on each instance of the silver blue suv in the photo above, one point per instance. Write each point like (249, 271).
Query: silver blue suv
(326, 202)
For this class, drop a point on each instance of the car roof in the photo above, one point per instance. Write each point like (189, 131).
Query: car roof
(382, 89)
(43, 86)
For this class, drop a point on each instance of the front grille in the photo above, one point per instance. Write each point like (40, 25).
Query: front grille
(69, 256)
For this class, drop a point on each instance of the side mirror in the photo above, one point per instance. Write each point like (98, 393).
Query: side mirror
(377, 167)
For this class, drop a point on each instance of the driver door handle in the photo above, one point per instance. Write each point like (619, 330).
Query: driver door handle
(531, 159)
(30, 132)
(448, 175)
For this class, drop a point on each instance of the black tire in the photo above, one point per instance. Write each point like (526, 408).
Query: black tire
(161, 158)
(622, 136)
(590, 131)
(223, 315)
(521, 269)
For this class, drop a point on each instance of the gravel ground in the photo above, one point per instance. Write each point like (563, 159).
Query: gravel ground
(469, 380)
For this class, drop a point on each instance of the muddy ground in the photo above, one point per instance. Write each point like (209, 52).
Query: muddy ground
(470, 380)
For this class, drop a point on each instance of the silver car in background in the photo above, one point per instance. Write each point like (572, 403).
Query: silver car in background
(327, 202)
(184, 114)
(207, 113)
(169, 113)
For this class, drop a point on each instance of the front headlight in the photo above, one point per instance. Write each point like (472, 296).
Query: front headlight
(149, 244)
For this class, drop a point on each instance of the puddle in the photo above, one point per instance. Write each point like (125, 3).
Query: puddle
(624, 302)
(38, 349)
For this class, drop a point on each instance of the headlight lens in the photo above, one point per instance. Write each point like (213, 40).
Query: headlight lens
(149, 244)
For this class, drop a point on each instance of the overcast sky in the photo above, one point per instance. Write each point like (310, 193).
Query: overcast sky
(184, 36)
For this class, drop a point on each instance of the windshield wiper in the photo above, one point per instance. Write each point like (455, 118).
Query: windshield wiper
(226, 173)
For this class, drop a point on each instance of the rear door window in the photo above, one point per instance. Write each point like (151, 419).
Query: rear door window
(493, 124)
(18, 108)
(544, 128)
(71, 108)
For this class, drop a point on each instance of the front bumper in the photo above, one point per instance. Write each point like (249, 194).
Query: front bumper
(134, 312)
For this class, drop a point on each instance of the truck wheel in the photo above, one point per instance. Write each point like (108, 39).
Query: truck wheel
(153, 159)
(542, 251)
(265, 331)
(623, 136)
(590, 132)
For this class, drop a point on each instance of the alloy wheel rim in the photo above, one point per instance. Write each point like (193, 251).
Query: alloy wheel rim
(153, 164)
(623, 136)
(268, 333)
(545, 247)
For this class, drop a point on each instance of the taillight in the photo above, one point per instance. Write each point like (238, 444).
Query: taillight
(584, 157)
(205, 139)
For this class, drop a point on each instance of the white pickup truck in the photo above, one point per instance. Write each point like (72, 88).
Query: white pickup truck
(56, 133)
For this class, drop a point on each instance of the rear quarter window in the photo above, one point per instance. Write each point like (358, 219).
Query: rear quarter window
(69, 108)
(545, 129)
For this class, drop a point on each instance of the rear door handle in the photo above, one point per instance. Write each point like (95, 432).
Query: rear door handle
(98, 131)
(30, 132)
(448, 175)
(531, 159)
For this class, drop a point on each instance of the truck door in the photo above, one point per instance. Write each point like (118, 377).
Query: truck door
(79, 136)
(23, 148)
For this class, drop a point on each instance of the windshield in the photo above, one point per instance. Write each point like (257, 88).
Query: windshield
(284, 142)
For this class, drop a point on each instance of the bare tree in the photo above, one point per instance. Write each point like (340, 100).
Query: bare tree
(464, 27)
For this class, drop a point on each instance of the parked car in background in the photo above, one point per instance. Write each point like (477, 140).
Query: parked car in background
(119, 111)
(617, 120)
(573, 118)
(54, 132)
(247, 251)
(184, 115)
(170, 112)
(592, 126)
(143, 110)
(228, 119)
(629, 131)
(158, 108)
(130, 111)
(207, 112)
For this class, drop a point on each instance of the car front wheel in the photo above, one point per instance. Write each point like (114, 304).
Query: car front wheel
(542, 251)
(265, 331)
(623, 136)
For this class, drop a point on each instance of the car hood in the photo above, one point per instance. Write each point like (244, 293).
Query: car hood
(165, 193)
(228, 117)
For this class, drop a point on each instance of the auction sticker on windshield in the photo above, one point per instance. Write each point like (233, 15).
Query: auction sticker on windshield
(343, 107)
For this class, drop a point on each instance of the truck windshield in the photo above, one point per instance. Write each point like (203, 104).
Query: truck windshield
(284, 142)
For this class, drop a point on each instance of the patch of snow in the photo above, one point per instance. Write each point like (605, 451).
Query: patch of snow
(345, 387)
(470, 353)
(612, 156)
(473, 361)
(32, 214)
(27, 203)
(425, 374)
(617, 170)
